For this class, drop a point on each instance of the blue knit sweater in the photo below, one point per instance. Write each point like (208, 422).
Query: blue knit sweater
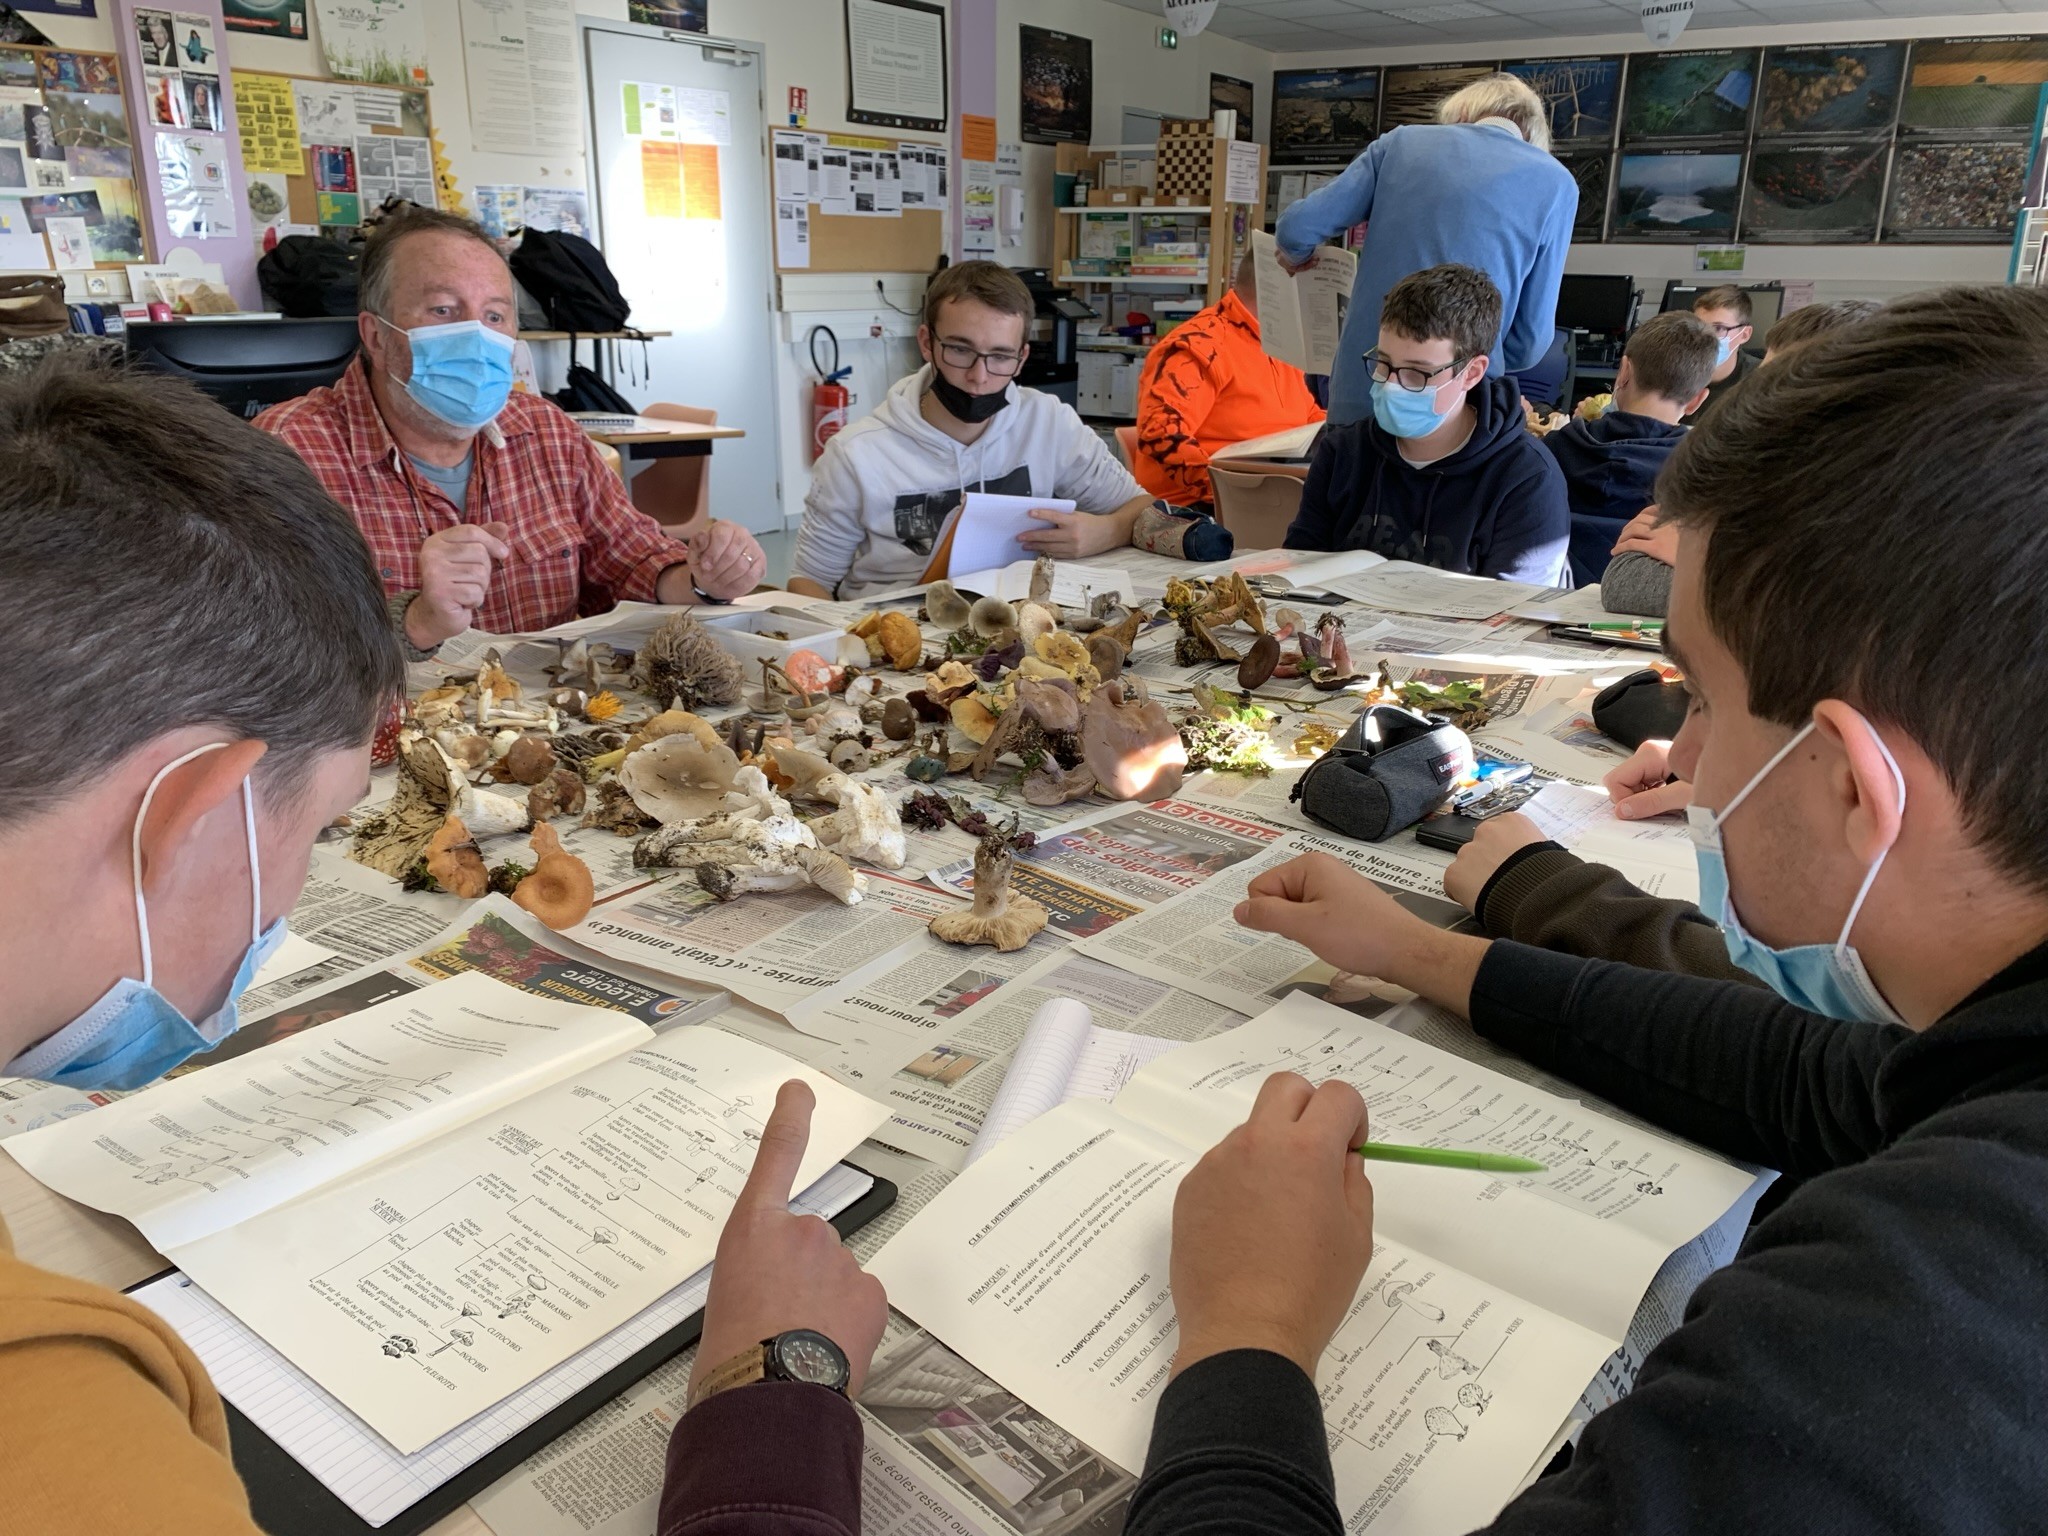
(1466, 192)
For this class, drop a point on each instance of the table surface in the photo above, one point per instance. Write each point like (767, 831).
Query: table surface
(61, 1235)
(653, 429)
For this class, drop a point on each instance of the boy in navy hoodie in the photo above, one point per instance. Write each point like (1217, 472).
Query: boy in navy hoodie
(1444, 472)
(1610, 464)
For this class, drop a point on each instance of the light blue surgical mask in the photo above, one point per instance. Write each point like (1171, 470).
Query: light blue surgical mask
(1407, 413)
(1828, 979)
(133, 1035)
(1727, 350)
(461, 372)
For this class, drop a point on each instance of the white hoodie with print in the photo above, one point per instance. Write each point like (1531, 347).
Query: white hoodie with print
(884, 486)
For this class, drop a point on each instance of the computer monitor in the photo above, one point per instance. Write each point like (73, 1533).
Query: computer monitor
(247, 364)
(1766, 303)
(1596, 302)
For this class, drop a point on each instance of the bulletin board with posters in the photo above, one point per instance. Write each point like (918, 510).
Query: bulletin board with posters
(867, 204)
(325, 154)
(68, 197)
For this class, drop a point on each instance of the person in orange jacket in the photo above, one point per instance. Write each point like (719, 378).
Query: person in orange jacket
(1208, 385)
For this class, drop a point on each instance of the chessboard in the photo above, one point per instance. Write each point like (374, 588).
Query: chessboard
(1186, 157)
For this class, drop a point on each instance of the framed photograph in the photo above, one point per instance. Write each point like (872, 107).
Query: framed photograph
(896, 64)
(1324, 116)
(1688, 195)
(1226, 92)
(1704, 94)
(681, 16)
(1955, 193)
(1583, 95)
(1976, 85)
(1815, 194)
(1831, 89)
(1056, 75)
(1411, 92)
(273, 18)
(1593, 170)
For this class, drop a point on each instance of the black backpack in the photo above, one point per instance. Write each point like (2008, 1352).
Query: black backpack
(309, 276)
(567, 275)
(584, 390)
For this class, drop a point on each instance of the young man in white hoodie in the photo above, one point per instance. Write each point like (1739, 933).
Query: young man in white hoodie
(883, 488)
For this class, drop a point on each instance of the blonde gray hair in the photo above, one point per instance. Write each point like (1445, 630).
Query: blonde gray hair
(1499, 95)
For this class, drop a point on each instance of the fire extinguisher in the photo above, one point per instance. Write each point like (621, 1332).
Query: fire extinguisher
(830, 398)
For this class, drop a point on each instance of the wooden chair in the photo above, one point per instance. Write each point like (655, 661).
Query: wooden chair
(1127, 445)
(676, 491)
(1256, 508)
(613, 462)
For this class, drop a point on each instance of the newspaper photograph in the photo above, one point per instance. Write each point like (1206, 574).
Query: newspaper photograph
(938, 1064)
(1122, 860)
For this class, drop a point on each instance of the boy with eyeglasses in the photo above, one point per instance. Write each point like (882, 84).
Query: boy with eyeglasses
(1443, 472)
(884, 487)
(1727, 311)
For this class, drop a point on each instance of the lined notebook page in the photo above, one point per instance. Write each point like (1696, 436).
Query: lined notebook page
(356, 1462)
(1064, 1055)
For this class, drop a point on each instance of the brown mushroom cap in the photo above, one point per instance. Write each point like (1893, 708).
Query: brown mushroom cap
(902, 641)
(529, 760)
(455, 863)
(559, 891)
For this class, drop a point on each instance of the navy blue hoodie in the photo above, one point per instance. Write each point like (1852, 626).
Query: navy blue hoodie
(1496, 507)
(1610, 470)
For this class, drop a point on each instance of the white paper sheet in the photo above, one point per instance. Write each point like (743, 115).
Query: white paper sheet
(358, 1465)
(1301, 317)
(1074, 585)
(1656, 855)
(196, 1154)
(533, 1232)
(1064, 1055)
(1404, 587)
(988, 527)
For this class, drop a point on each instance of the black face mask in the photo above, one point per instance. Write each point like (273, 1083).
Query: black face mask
(968, 408)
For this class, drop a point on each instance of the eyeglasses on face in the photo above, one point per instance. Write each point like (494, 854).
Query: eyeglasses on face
(1414, 380)
(1728, 330)
(957, 354)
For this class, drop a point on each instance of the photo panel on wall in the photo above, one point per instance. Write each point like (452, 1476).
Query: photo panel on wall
(1677, 195)
(1705, 93)
(1411, 92)
(1324, 116)
(1583, 96)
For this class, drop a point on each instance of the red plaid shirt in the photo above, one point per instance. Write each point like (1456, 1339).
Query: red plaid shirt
(578, 544)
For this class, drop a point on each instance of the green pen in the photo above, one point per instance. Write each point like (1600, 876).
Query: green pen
(1630, 626)
(1448, 1157)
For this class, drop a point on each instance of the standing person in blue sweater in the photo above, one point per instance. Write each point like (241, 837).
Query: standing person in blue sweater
(1444, 471)
(1478, 187)
(1610, 463)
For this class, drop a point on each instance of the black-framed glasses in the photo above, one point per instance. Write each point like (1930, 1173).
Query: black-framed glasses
(1728, 330)
(1414, 380)
(957, 354)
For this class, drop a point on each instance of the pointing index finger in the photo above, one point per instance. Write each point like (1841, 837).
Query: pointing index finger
(781, 1151)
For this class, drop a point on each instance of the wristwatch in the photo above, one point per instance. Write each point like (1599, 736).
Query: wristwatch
(800, 1355)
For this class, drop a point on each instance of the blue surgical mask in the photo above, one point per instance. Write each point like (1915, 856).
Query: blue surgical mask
(133, 1035)
(1727, 350)
(461, 372)
(1407, 413)
(1828, 979)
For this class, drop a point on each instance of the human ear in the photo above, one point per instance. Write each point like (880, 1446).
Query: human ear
(924, 343)
(1869, 783)
(1694, 403)
(188, 794)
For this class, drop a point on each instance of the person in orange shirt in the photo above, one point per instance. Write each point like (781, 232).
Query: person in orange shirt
(1209, 385)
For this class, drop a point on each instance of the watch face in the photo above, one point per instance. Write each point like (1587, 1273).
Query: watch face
(802, 1355)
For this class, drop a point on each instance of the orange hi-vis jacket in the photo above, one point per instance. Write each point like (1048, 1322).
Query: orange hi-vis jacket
(1206, 386)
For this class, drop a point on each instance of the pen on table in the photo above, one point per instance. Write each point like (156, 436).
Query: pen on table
(1628, 626)
(1449, 1157)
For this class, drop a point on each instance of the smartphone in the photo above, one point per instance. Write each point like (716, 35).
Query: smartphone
(1450, 833)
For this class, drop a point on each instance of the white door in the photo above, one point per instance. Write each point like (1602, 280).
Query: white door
(682, 218)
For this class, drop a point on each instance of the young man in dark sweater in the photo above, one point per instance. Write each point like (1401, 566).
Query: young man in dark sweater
(1444, 471)
(1874, 839)
(1728, 312)
(1610, 463)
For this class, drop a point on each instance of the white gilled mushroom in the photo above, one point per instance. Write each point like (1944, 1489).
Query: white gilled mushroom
(1000, 916)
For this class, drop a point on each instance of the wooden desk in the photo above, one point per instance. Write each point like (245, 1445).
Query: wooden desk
(659, 439)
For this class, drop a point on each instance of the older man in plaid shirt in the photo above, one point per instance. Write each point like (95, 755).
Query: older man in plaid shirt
(512, 525)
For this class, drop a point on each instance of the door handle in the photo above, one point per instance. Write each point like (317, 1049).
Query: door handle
(732, 58)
